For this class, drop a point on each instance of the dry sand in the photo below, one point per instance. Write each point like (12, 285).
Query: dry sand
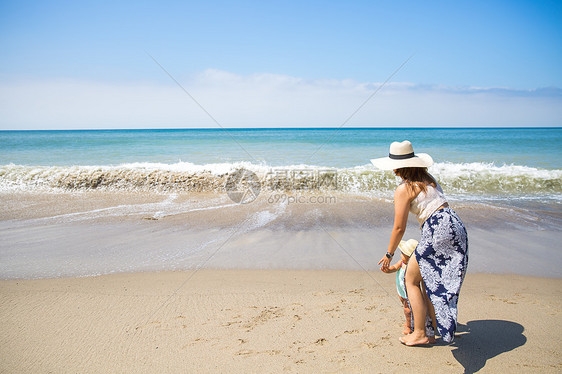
(269, 321)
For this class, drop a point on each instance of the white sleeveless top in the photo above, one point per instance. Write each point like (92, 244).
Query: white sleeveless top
(427, 202)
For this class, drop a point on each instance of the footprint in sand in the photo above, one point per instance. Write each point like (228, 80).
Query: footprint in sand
(230, 323)
(320, 341)
(248, 352)
(357, 291)
(368, 345)
(335, 309)
(265, 315)
(153, 323)
(244, 352)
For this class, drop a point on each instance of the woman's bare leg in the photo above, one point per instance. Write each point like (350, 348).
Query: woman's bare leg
(430, 308)
(418, 304)
(430, 311)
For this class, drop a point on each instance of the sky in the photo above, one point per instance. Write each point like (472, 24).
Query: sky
(193, 64)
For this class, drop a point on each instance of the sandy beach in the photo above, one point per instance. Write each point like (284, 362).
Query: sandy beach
(135, 283)
(269, 321)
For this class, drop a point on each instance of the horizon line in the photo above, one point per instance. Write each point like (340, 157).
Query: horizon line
(300, 128)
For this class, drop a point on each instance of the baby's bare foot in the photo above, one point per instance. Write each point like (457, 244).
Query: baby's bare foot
(406, 331)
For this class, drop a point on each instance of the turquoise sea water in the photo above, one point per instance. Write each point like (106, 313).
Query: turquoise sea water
(482, 162)
(341, 148)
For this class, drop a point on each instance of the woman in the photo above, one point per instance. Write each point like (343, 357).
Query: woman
(441, 257)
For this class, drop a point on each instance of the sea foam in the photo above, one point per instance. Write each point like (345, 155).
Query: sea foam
(458, 178)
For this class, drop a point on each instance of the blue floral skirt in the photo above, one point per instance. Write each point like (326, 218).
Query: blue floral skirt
(442, 255)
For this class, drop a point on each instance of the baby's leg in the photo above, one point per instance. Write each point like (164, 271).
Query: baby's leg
(408, 315)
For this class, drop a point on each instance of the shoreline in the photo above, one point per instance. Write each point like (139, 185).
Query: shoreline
(269, 320)
(79, 250)
(69, 235)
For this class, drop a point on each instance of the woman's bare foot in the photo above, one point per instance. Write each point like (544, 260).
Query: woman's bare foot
(414, 339)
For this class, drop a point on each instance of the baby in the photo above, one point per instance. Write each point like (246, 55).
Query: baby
(406, 250)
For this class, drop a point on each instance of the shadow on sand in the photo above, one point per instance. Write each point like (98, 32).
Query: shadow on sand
(481, 340)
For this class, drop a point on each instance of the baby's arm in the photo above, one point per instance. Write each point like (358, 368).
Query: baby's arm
(394, 268)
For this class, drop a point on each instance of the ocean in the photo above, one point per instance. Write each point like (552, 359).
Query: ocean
(482, 163)
(82, 203)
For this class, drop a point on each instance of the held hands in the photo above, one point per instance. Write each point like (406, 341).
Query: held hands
(385, 261)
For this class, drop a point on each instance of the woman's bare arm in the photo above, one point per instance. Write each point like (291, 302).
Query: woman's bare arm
(403, 196)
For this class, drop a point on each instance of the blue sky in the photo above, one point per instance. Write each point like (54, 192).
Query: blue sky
(283, 63)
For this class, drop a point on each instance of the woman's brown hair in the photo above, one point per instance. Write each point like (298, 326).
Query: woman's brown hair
(416, 177)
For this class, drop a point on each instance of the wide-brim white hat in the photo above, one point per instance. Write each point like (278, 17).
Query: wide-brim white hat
(401, 155)
(408, 247)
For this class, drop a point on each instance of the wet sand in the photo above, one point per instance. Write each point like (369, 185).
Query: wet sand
(94, 233)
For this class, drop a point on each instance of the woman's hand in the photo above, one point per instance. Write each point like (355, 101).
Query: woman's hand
(385, 261)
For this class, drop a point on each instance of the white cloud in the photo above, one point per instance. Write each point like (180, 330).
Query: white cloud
(268, 100)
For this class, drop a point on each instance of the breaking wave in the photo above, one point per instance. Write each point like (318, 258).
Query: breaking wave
(456, 178)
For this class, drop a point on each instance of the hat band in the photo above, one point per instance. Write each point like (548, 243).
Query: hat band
(401, 157)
